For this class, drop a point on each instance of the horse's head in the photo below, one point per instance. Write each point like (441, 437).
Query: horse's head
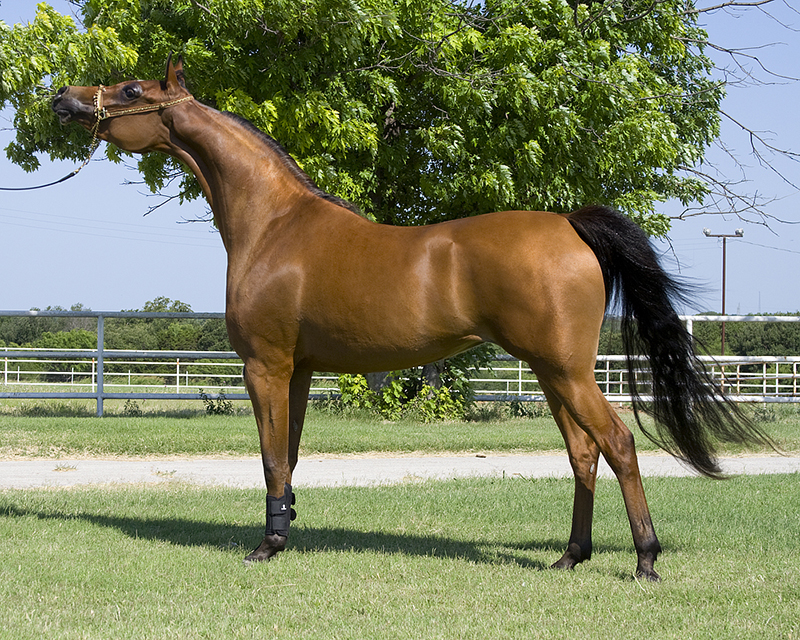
(132, 115)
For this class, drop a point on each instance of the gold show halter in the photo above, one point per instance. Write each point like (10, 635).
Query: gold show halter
(102, 113)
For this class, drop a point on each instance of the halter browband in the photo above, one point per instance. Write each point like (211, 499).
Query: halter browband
(101, 113)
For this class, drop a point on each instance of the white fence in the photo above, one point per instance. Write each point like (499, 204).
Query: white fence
(102, 374)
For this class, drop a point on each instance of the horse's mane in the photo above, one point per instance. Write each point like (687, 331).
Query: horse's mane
(290, 163)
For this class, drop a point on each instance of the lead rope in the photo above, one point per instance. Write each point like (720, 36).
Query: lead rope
(100, 114)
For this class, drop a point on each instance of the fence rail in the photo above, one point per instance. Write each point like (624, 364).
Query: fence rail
(102, 373)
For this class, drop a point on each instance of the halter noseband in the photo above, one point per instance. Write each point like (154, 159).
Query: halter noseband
(101, 113)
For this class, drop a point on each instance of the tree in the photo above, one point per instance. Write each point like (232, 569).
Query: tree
(751, 338)
(418, 111)
(168, 334)
(26, 330)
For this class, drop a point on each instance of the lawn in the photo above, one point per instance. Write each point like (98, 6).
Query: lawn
(456, 559)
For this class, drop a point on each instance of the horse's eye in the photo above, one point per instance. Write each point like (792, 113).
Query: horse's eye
(131, 93)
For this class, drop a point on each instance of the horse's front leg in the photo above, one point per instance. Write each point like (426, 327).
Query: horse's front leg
(269, 393)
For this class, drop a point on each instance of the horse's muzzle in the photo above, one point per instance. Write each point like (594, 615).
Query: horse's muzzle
(68, 108)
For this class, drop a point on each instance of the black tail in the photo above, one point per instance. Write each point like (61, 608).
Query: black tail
(690, 415)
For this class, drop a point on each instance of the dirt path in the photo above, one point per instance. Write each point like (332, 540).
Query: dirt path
(332, 471)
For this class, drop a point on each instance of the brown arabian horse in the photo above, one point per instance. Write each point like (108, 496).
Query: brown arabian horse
(312, 286)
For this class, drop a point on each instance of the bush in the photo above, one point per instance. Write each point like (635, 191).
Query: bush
(132, 409)
(219, 406)
(436, 405)
(393, 401)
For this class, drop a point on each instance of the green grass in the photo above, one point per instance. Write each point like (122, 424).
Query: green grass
(64, 431)
(457, 559)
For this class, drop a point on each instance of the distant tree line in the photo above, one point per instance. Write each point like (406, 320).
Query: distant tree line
(751, 338)
(152, 334)
(188, 334)
(179, 334)
(741, 338)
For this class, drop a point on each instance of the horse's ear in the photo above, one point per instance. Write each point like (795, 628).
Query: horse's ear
(174, 74)
(179, 72)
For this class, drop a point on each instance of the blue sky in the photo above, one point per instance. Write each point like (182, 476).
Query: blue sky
(88, 241)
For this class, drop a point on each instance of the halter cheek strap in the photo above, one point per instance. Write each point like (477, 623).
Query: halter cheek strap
(99, 111)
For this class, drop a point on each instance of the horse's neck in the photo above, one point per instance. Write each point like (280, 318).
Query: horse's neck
(246, 183)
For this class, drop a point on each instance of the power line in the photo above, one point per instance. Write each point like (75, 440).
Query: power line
(763, 246)
(123, 230)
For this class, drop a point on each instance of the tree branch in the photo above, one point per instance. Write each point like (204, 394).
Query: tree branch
(726, 5)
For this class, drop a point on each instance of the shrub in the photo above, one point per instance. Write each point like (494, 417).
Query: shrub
(392, 401)
(436, 405)
(132, 409)
(219, 406)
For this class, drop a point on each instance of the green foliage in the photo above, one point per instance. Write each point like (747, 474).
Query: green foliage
(75, 339)
(751, 338)
(611, 337)
(519, 409)
(436, 405)
(120, 333)
(390, 398)
(355, 391)
(132, 409)
(169, 334)
(418, 111)
(27, 330)
(219, 406)
(387, 402)
(393, 402)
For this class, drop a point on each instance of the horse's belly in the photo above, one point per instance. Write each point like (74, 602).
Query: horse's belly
(380, 347)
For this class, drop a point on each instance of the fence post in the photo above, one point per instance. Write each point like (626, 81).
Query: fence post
(100, 341)
(777, 379)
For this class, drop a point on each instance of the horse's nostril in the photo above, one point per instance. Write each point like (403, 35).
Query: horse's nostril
(61, 91)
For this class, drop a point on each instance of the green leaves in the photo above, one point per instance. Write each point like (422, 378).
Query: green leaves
(417, 110)
(38, 58)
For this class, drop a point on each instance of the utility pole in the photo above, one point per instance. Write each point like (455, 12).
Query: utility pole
(736, 234)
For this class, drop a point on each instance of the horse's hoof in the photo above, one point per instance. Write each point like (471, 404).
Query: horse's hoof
(565, 562)
(648, 574)
(572, 556)
(269, 547)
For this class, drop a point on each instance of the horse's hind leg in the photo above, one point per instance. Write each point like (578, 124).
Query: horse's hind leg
(583, 455)
(298, 402)
(586, 405)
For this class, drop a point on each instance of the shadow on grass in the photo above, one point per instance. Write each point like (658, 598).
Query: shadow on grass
(306, 539)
